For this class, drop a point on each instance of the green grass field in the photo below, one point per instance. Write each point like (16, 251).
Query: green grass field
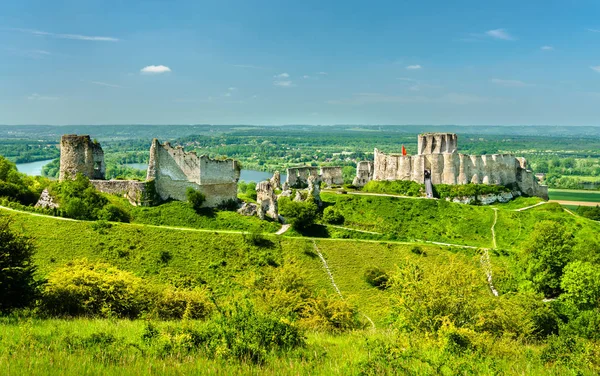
(574, 195)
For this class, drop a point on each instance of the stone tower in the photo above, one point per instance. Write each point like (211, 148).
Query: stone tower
(79, 154)
(437, 143)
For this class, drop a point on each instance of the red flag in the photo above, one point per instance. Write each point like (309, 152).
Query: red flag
(403, 150)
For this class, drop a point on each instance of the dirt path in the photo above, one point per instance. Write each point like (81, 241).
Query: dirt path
(576, 203)
(532, 206)
(486, 262)
(494, 228)
(283, 229)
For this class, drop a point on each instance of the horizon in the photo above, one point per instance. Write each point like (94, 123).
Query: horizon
(272, 64)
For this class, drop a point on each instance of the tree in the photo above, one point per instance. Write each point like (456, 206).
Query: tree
(333, 216)
(547, 253)
(299, 214)
(18, 288)
(196, 198)
(581, 283)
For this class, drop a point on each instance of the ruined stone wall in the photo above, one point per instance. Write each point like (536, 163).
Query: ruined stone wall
(297, 177)
(266, 200)
(364, 173)
(78, 154)
(436, 143)
(332, 176)
(139, 193)
(174, 171)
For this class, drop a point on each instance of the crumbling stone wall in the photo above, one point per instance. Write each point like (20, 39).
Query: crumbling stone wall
(139, 193)
(332, 176)
(266, 200)
(438, 154)
(78, 154)
(173, 171)
(364, 173)
(297, 177)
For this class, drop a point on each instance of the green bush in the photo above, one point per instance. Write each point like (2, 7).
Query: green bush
(333, 216)
(398, 187)
(182, 304)
(82, 288)
(467, 190)
(79, 199)
(18, 287)
(299, 214)
(196, 198)
(376, 277)
(113, 213)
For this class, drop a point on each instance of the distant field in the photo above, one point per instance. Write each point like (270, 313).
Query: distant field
(574, 195)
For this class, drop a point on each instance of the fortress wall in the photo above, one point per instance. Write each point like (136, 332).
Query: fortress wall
(364, 173)
(138, 193)
(332, 175)
(78, 154)
(174, 171)
(266, 200)
(297, 177)
(437, 143)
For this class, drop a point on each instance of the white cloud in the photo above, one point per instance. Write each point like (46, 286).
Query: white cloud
(322, 73)
(414, 67)
(155, 69)
(282, 75)
(283, 83)
(406, 79)
(596, 68)
(227, 95)
(232, 89)
(509, 83)
(37, 97)
(547, 48)
(593, 30)
(68, 36)
(105, 84)
(306, 76)
(499, 34)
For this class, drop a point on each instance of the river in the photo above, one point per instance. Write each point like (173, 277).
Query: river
(35, 169)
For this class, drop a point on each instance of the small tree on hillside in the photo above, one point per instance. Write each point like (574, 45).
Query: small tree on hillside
(18, 287)
(547, 253)
(299, 214)
(195, 198)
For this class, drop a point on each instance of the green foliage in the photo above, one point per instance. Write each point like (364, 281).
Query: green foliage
(18, 287)
(299, 214)
(173, 304)
(16, 186)
(590, 212)
(467, 190)
(79, 199)
(581, 285)
(398, 187)
(545, 255)
(113, 213)
(376, 277)
(196, 199)
(82, 288)
(333, 216)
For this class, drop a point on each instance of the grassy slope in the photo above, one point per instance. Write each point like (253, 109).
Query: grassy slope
(224, 261)
(431, 220)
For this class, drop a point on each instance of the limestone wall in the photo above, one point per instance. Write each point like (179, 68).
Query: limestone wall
(266, 200)
(138, 193)
(78, 154)
(436, 143)
(174, 171)
(297, 177)
(332, 176)
(364, 173)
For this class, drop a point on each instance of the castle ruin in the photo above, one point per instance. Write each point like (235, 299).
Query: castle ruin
(171, 171)
(297, 177)
(438, 157)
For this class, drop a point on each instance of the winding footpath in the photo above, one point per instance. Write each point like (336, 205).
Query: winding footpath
(486, 262)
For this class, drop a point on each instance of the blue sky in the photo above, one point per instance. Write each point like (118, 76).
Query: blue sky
(300, 62)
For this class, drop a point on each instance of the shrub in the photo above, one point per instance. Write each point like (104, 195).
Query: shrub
(418, 251)
(183, 304)
(113, 213)
(82, 288)
(196, 198)
(398, 187)
(581, 284)
(299, 214)
(79, 199)
(333, 216)
(376, 277)
(18, 287)
(331, 314)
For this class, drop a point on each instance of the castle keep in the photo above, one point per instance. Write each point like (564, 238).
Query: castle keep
(438, 155)
(171, 171)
